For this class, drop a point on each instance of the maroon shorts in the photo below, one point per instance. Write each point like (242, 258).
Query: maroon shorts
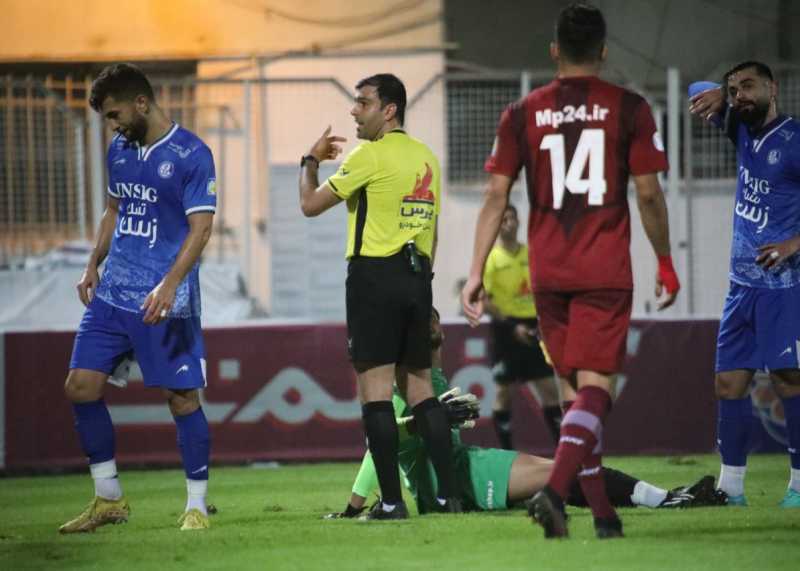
(585, 329)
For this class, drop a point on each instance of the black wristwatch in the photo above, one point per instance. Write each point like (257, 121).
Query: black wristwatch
(308, 158)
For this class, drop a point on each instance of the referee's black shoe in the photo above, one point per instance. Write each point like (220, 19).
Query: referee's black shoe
(547, 510)
(608, 527)
(377, 512)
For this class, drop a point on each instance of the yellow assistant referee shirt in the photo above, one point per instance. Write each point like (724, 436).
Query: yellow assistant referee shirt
(508, 280)
(392, 191)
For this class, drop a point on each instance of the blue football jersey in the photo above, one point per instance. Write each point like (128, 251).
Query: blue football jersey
(158, 188)
(767, 206)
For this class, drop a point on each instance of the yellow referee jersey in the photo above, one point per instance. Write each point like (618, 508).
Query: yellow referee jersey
(392, 191)
(507, 279)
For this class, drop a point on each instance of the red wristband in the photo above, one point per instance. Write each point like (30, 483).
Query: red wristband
(667, 274)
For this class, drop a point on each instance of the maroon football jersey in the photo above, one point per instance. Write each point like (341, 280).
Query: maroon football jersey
(579, 139)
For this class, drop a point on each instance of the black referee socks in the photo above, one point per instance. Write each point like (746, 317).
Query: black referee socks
(380, 426)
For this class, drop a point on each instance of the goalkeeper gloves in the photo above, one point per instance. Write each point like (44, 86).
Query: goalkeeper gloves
(461, 410)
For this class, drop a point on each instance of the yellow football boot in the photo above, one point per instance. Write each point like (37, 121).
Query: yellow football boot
(100, 512)
(193, 520)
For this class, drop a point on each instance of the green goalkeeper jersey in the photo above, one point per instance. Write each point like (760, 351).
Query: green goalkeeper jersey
(418, 472)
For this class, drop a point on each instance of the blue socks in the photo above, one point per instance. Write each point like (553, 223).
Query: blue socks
(95, 430)
(791, 408)
(194, 441)
(733, 436)
(733, 430)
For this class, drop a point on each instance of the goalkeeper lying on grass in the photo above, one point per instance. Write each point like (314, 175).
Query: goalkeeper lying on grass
(493, 479)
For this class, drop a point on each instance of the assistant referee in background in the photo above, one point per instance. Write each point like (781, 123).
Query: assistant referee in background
(391, 185)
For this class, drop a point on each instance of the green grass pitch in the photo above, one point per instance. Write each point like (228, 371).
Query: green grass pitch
(268, 519)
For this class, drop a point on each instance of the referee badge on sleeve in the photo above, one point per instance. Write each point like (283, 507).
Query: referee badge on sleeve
(212, 186)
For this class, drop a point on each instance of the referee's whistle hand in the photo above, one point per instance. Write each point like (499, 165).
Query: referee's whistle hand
(326, 148)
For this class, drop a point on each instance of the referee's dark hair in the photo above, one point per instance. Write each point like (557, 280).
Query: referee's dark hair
(762, 70)
(580, 33)
(123, 82)
(390, 90)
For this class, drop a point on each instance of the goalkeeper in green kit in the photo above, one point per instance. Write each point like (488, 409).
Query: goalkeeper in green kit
(493, 479)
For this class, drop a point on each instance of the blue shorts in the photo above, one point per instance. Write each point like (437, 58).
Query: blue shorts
(171, 355)
(760, 329)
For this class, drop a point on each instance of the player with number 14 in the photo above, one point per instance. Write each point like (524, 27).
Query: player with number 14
(577, 165)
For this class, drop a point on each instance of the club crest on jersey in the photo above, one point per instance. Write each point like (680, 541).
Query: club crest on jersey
(774, 156)
(166, 169)
(212, 186)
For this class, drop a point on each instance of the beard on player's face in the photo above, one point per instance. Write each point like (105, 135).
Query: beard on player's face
(752, 113)
(137, 127)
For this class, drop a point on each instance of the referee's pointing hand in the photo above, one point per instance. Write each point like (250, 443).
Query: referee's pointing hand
(326, 148)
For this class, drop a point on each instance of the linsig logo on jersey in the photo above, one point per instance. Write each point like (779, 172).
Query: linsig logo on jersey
(751, 209)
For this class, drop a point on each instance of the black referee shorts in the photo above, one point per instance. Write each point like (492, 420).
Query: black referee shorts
(389, 312)
(512, 360)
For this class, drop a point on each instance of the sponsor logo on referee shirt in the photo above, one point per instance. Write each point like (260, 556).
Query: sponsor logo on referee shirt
(419, 204)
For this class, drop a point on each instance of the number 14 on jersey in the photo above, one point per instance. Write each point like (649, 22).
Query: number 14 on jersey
(591, 150)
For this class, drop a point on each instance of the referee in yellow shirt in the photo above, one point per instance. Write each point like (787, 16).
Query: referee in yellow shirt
(391, 185)
(516, 354)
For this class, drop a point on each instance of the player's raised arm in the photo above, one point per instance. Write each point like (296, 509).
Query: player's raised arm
(655, 219)
(490, 216)
(102, 244)
(708, 100)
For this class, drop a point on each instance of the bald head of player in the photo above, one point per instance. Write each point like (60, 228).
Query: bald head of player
(580, 40)
(122, 94)
(753, 93)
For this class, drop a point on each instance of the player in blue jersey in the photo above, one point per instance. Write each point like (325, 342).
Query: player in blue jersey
(162, 195)
(760, 327)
